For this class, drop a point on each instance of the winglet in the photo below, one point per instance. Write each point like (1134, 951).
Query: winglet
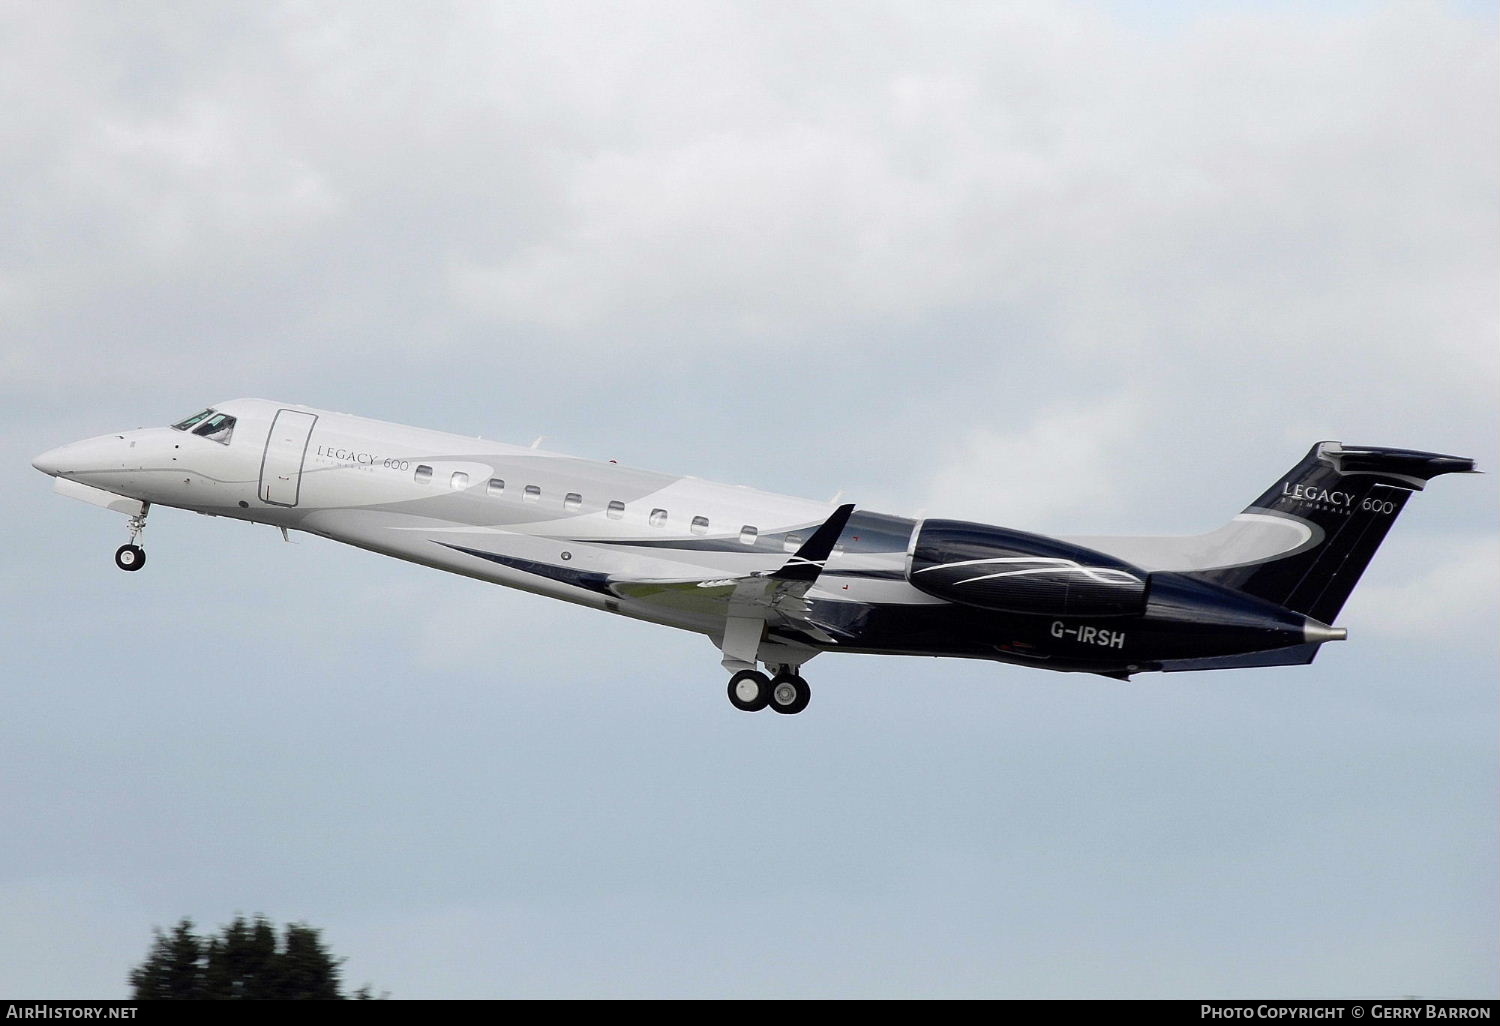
(808, 561)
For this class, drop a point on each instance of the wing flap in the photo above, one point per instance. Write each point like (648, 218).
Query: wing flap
(751, 602)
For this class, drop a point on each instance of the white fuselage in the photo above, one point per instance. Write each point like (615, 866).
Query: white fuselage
(771, 579)
(512, 515)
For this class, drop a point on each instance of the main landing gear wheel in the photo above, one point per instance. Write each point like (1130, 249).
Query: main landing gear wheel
(130, 557)
(750, 690)
(789, 693)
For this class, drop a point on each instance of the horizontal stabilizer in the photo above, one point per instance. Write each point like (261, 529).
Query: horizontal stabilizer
(1296, 655)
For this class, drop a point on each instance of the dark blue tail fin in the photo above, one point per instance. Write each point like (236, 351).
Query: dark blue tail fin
(1347, 498)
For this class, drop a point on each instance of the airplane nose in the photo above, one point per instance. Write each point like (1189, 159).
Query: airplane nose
(52, 462)
(83, 457)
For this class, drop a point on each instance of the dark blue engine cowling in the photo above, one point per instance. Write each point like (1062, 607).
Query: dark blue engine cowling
(1015, 572)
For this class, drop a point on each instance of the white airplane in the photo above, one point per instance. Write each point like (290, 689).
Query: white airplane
(774, 580)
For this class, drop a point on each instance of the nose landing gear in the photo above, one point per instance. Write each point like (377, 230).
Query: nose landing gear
(752, 691)
(131, 556)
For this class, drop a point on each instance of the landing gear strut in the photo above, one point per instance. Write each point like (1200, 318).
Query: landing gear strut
(752, 691)
(132, 556)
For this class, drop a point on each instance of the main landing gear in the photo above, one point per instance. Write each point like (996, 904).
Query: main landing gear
(131, 556)
(752, 691)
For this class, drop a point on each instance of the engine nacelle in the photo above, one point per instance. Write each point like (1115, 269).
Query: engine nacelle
(1015, 572)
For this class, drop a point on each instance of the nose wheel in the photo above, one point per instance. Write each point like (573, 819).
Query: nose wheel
(131, 556)
(752, 691)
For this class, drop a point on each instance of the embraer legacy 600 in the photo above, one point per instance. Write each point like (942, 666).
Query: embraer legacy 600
(770, 579)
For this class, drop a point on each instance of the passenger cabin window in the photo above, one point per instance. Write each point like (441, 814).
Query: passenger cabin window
(658, 518)
(615, 510)
(791, 543)
(497, 486)
(532, 493)
(700, 525)
(748, 535)
(423, 474)
(572, 501)
(217, 428)
(458, 481)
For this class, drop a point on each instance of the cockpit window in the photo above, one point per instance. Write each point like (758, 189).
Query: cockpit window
(186, 425)
(217, 428)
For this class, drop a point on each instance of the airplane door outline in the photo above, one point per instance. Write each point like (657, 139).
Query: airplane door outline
(281, 464)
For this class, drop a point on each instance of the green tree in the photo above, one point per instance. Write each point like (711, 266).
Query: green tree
(174, 968)
(308, 971)
(244, 962)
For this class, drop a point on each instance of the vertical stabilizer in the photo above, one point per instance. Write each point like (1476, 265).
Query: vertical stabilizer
(1348, 498)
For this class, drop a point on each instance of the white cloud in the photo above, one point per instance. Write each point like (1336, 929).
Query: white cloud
(1200, 190)
(1251, 196)
(1447, 593)
(1061, 469)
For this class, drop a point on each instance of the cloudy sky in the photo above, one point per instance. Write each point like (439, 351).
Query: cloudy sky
(1083, 268)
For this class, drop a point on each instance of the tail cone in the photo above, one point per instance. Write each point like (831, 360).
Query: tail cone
(1317, 633)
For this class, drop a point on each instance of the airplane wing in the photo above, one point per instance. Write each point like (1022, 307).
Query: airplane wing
(752, 602)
